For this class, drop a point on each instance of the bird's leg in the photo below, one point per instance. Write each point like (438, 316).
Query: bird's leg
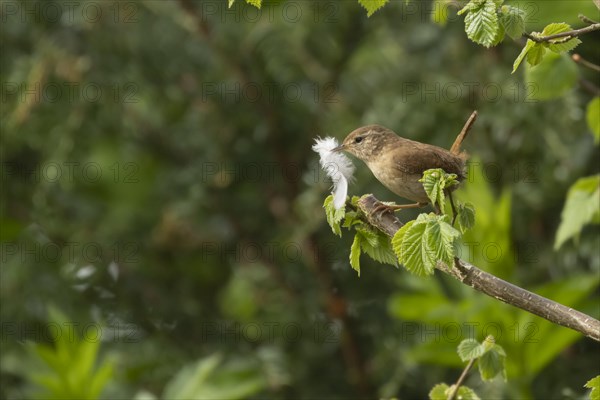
(382, 207)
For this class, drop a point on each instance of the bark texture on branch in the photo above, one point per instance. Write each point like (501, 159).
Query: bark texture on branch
(491, 285)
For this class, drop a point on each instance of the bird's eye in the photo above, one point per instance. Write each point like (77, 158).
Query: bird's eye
(358, 139)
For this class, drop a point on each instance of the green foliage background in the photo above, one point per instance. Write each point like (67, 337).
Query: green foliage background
(202, 254)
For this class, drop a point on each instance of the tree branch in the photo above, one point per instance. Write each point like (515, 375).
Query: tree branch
(491, 285)
(568, 34)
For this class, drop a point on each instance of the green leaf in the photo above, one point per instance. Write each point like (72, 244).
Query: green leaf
(372, 5)
(466, 393)
(466, 216)
(435, 181)
(513, 21)
(438, 392)
(498, 349)
(559, 45)
(562, 45)
(472, 5)
(334, 216)
(47, 354)
(491, 364)
(554, 28)
(442, 390)
(489, 344)
(432, 184)
(594, 384)
(592, 117)
(469, 349)
(415, 258)
(536, 54)
(581, 208)
(446, 242)
(209, 378)
(421, 243)
(230, 3)
(100, 378)
(407, 244)
(552, 78)
(255, 3)
(481, 23)
(355, 253)
(398, 240)
(86, 358)
(499, 37)
(528, 46)
(535, 51)
(368, 235)
(52, 384)
(351, 218)
(377, 245)
(191, 377)
(74, 371)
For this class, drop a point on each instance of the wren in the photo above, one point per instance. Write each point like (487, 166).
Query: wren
(398, 163)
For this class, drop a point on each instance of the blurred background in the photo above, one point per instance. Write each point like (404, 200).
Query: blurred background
(161, 207)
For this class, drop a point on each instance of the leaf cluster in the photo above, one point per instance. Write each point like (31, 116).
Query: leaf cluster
(73, 370)
(535, 51)
(366, 238)
(490, 359)
(594, 385)
(581, 208)
(420, 244)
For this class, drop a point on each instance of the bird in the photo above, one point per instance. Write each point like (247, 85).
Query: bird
(398, 163)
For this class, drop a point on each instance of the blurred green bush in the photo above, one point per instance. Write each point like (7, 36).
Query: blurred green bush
(158, 185)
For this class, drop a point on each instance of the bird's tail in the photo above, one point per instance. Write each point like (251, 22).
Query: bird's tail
(455, 149)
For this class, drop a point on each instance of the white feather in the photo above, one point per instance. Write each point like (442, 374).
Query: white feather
(337, 166)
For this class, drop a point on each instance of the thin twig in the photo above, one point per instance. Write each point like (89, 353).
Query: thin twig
(590, 87)
(461, 379)
(454, 212)
(582, 61)
(568, 35)
(586, 19)
(455, 149)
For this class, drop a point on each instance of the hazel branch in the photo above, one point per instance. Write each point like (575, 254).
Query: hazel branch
(491, 285)
(568, 35)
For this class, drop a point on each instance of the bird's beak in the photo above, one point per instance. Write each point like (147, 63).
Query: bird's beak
(338, 149)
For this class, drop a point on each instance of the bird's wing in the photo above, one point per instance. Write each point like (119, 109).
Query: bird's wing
(420, 157)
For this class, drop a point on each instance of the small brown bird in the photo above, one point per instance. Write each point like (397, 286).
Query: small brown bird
(399, 163)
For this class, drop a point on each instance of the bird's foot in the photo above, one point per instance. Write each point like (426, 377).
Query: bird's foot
(384, 207)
